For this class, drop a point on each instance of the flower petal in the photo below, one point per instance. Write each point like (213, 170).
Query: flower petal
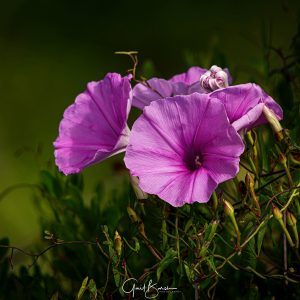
(192, 75)
(181, 187)
(221, 168)
(94, 127)
(151, 90)
(241, 101)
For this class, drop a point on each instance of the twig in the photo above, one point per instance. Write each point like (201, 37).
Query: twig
(37, 255)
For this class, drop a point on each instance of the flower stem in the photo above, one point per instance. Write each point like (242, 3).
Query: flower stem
(177, 238)
(295, 231)
(238, 233)
(283, 160)
(293, 195)
(287, 234)
(253, 167)
(256, 202)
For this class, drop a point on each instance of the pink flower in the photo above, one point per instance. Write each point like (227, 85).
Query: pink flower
(182, 147)
(95, 126)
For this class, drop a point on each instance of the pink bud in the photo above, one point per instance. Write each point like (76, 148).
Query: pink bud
(215, 78)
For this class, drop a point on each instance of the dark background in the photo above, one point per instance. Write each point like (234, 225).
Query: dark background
(49, 50)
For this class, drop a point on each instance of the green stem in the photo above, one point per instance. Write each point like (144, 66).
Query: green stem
(128, 245)
(254, 150)
(177, 239)
(237, 230)
(287, 234)
(288, 174)
(253, 167)
(256, 202)
(256, 230)
(298, 207)
(295, 231)
(293, 195)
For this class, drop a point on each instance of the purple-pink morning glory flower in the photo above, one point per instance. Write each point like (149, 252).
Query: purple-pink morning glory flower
(194, 80)
(182, 147)
(95, 126)
(244, 105)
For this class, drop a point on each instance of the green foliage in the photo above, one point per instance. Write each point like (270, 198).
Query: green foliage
(94, 248)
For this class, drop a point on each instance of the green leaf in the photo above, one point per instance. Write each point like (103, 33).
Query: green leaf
(189, 272)
(83, 288)
(51, 184)
(204, 210)
(211, 264)
(188, 224)
(165, 262)
(260, 238)
(117, 276)
(249, 255)
(210, 231)
(164, 234)
(93, 289)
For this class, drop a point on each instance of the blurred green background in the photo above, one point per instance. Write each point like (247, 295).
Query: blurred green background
(49, 50)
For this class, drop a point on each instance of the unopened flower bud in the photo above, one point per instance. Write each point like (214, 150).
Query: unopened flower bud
(276, 212)
(273, 120)
(291, 219)
(132, 215)
(222, 79)
(137, 190)
(228, 208)
(118, 243)
(249, 181)
(229, 211)
(215, 69)
(215, 78)
(250, 187)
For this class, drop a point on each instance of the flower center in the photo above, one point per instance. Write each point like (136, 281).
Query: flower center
(198, 162)
(194, 162)
(215, 78)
